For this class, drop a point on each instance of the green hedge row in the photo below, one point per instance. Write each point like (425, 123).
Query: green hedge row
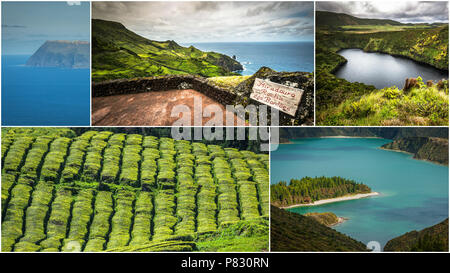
(149, 166)
(199, 149)
(93, 161)
(75, 159)
(35, 157)
(8, 181)
(12, 224)
(166, 164)
(233, 153)
(216, 151)
(129, 174)
(99, 229)
(122, 219)
(206, 199)
(16, 154)
(35, 217)
(227, 195)
(54, 160)
(111, 158)
(261, 177)
(248, 200)
(143, 213)
(150, 142)
(186, 204)
(58, 221)
(80, 220)
(7, 140)
(164, 219)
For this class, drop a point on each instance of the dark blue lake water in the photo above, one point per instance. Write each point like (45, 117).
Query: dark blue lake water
(383, 70)
(413, 193)
(280, 56)
(43, 96)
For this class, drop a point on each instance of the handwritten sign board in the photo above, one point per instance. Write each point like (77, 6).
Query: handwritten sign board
(281, 97)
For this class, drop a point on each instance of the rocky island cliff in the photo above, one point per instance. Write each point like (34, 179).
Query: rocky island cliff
(60, 53)
(426, 148)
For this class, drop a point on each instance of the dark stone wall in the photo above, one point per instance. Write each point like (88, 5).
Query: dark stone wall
(163, 83)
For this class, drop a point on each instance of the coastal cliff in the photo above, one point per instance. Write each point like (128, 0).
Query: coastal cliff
(425, 148)
(434, 238)
(66, 54)
(119, 53)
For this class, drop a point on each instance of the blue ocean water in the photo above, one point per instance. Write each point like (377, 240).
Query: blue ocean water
(280, 56)
(43, 96)
(413, 193)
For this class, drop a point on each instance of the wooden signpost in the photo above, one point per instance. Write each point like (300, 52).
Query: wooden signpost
(281, 97)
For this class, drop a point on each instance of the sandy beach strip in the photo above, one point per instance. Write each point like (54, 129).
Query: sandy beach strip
(333, 200)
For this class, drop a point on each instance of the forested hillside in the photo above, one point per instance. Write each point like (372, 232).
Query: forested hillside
(294, 232)
(434, 238)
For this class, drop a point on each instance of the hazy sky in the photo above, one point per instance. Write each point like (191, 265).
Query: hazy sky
(187, 22)
(27, 25)
(402, 11)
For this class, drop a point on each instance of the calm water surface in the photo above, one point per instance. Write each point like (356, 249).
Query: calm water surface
(43, 96)
(414, 193)
(383, 70)
(280, 56)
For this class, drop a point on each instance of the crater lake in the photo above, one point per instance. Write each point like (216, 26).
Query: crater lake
(383, 70)
(413, 193)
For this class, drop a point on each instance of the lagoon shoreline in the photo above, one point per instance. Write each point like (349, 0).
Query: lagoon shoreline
(333, 200)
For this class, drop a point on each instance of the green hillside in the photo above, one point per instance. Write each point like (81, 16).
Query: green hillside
(294, 232)
(340, 102)
(332, 19)
(120, 53)
(434, 238)
(105, 191)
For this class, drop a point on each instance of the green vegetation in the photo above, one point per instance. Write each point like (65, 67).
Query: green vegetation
(294, 232)
(118, 191)
(120, 53)
(427, 148)
(340, 102)
(434, 238)
(325, 218)
(228, 82)
(308, 190)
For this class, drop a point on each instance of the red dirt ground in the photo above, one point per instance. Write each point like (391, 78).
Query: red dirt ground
(149, 109)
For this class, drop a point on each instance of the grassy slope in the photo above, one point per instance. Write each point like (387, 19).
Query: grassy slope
(294, 232)
(325, 218)
(120, 53)
(340, 102)
(434, 238)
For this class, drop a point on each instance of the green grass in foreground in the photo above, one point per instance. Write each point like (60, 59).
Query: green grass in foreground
(245, 236)
(421, 106)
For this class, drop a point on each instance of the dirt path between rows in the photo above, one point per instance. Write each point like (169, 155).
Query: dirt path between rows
(150, 108)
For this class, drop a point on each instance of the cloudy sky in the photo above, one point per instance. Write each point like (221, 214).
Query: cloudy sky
(402, 11)
(27, 25)
(188, 22)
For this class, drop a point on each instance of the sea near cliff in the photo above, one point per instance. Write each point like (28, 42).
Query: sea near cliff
(413, 193)
(43, 95)
(280, 56)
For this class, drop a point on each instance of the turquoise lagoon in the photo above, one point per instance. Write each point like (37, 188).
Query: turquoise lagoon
(413, 193)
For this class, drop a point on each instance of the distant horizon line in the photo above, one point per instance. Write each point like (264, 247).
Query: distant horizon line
(246, 42)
